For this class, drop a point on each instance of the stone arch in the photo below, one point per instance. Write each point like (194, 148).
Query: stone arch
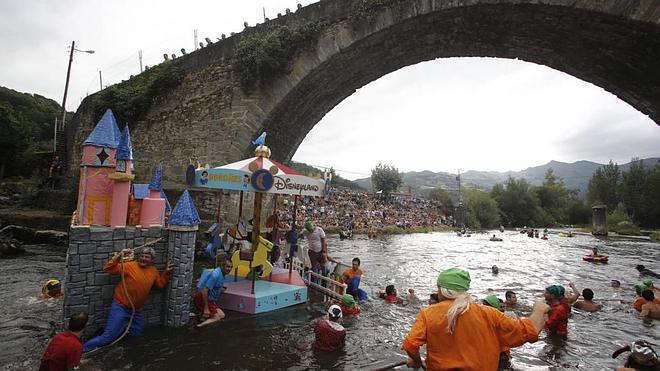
(613, 44)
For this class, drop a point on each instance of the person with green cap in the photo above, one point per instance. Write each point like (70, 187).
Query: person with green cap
(639, 288)
(317, 247)
(460, 334)
(348, 305)
(557, 323)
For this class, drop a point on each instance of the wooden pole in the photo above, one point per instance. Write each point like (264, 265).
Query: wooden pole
(219, 221)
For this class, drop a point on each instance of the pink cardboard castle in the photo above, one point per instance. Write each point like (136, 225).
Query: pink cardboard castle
(105, 180)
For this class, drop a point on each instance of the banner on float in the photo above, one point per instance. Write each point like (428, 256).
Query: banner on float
(230, 179)
(259, 181)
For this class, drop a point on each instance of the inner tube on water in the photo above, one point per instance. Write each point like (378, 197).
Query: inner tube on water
(596, 259)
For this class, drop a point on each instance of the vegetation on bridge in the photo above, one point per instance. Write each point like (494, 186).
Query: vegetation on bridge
(131, 99)
(266, 54)
(367, 9)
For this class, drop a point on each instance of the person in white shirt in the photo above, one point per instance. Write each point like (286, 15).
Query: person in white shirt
(317, 247)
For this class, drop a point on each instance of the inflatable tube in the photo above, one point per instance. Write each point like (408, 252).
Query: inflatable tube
(596, 259)
(496, 239)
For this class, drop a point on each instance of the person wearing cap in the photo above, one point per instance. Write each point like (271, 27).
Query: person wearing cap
(505, 354)
(348, 305)
(317, 247)
(460, 334)
(642, 357)
(130, 294)
(52, 289)
(557, 323)
(640, 287)
(64, 350)
(329, 334)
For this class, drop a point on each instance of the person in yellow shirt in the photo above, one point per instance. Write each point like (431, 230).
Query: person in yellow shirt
(460, 334)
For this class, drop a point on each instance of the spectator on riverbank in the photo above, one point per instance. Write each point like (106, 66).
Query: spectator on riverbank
(475, 341)
(63, 351)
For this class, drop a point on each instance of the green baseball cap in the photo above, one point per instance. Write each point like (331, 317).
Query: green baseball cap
(454, 279)
(309, 225)
(348, 300)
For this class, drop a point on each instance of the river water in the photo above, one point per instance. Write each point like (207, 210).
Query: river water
(279, 340)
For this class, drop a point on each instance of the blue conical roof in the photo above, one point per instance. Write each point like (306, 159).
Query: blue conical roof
(125, 148)
(156, 183)
(185, 212)
(106, 133)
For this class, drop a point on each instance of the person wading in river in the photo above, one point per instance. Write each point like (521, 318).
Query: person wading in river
(130, 295)
(460, 334)
(64, 350)
(557, 323)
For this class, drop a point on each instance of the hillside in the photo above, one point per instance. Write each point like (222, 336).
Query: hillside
(575, 175)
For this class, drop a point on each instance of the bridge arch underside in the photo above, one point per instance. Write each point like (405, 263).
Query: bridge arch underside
(620, 55)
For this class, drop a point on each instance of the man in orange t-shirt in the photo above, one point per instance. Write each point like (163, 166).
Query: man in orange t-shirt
(130, 295)
(460, 334)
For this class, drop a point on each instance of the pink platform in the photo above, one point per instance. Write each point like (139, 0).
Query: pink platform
(281, 292)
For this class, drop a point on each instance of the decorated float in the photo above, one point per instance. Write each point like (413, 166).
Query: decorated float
(256, 286)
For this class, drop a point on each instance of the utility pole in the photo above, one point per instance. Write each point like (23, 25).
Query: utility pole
(140, 55)
(458, 178)
(264, 8)
(66, 85)
(100, 81)
(195, 39)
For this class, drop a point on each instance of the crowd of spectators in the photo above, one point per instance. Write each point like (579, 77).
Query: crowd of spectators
(348, 209)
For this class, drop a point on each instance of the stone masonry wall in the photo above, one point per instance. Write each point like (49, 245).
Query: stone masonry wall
(181, 247)
(87, 288)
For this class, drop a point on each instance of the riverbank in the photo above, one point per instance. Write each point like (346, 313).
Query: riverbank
(392, 230)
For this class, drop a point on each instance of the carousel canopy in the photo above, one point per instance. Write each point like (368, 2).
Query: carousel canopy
(259, 174)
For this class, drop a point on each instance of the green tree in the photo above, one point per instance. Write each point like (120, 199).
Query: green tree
(386, 178)
(482, 210)
(15, 139)
(634, 191)
(441, 195)
(604, 186)
(553, 199)
(652, 218)
(517, 202)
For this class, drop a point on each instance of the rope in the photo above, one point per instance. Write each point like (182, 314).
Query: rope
(123, 281)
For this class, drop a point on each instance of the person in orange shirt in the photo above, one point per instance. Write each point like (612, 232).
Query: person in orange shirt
(460, 334)
(353, 271)
(130, 295)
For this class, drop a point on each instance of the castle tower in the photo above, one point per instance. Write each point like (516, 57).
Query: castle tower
(153, 207)
(122, 178)
(98, 162)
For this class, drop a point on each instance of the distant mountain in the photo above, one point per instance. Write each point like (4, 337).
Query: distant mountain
(575, 175)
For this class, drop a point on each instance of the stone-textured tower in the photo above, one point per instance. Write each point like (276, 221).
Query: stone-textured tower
(181, 251)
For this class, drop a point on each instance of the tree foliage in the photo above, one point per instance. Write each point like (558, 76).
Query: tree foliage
(26, 128)
(441, 195)
(386, 178)
(482, 210)
(603, 186)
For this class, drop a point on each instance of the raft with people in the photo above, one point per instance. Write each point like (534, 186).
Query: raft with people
(596, 259)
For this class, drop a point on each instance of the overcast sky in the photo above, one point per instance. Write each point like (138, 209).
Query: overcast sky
(442, 115)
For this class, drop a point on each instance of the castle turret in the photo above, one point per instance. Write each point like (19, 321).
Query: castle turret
(122, 178)
(98, 162)
(153, 207)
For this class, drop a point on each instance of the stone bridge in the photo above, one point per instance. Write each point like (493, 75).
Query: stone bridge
(210, 116)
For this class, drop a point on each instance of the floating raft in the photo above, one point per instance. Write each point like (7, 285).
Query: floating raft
(280, 292)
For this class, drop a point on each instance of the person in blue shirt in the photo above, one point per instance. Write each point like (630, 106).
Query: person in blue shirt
(208, 291)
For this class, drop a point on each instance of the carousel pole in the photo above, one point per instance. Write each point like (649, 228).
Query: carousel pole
(256, 224)
(219, 221)
(293, 228)
(273, 233)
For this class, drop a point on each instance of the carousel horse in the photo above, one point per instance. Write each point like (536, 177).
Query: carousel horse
(252, 259)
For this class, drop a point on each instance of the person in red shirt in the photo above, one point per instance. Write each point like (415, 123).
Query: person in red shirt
(390, 295)
(63, 351)
(130, 295)
(329, 334)
(348, 305)
(557, 323)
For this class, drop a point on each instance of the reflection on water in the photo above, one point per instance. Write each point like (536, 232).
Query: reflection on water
(279, 339)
